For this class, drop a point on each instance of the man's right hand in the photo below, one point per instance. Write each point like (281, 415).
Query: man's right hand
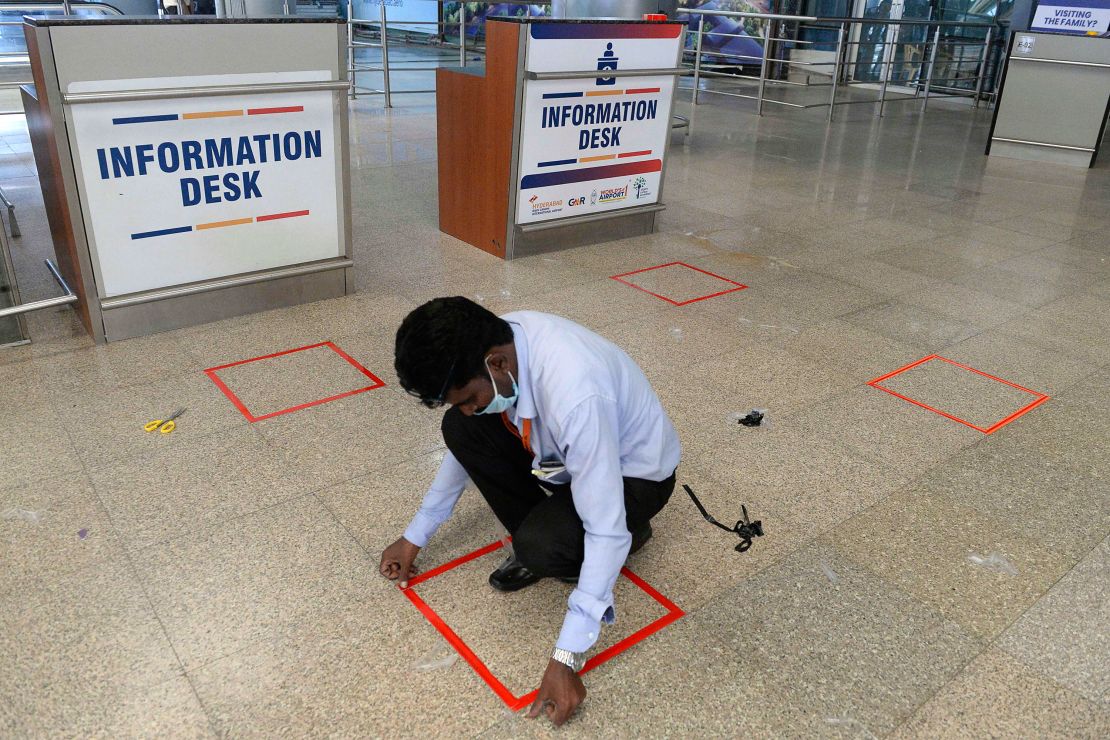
(397, 561)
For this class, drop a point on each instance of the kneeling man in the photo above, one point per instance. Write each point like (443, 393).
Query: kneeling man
(567, 442)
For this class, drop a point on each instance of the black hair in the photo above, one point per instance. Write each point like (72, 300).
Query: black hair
(443, 344)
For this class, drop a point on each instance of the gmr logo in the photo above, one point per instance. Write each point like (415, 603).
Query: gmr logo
(577, 201)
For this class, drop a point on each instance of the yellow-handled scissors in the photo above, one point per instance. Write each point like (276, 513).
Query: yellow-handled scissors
(166, 425)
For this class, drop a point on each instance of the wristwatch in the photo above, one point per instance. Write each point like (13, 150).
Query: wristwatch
(574, 661)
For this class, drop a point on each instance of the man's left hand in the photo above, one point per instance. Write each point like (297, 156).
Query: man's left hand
(561, 691)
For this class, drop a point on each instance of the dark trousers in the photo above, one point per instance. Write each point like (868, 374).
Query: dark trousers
(548, 536)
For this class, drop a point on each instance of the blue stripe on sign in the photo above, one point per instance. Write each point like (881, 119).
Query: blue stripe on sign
(557, 162)
(562, 95)
(162, 232)
(144, 119)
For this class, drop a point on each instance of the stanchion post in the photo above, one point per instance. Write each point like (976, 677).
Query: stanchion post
(763, 67)
(351, 47)
(697, 58)
(888, 47)
(836, 69)
(384, 23)
(983, 62)
(462, 34)
(932, 65)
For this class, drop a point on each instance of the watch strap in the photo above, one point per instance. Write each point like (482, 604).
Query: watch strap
(575, 661)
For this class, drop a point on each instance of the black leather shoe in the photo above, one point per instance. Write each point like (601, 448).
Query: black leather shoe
(640, 538)
(512, 576)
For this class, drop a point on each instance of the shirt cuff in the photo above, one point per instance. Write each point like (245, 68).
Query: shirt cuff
(421, 529)
(580, 632)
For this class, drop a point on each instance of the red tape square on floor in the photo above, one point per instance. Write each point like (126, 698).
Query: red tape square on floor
(1039, 398)
(735, 286)
(516, 703)
(213, 375)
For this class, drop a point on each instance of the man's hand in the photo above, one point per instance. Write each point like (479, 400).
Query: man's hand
(397, 560)
(561, 691)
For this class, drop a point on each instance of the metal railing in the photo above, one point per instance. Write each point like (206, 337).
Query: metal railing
(68, 296)
(840, 69)
(379, 29)
(19, 56)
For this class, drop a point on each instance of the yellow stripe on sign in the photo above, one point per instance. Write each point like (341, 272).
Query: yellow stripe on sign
(219, 224)
(213, 114)
(598, 159)
(595, 93)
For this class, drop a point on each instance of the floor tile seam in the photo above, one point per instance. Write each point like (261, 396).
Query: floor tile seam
(67, 570)
(111, 462)
(133, 571)
(995, 643)
(66, 396)
(871, 288)
(283, 631)
(820, 540)
(1023, 308)
(209, 713)
(963, 670)
(210, 534)
(1048, 348)
(121, 554)
(997, 640)
(1068, 285)
(23, 584)
(168, 638)
(335, 517)
(864, 453)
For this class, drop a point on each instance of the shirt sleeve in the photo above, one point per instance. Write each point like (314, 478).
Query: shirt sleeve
(593, 460)
(438, 502)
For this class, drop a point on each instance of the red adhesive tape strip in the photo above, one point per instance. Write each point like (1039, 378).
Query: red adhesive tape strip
(1041, 397)
(513, 702)
(212, 374)
(618, 278)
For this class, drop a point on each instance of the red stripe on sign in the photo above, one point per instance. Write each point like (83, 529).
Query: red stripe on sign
(276, 216)
(634, 154)
(267, 111)
(641, 90)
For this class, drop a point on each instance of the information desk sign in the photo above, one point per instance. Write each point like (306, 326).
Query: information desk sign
(596, 144)
(1077, 17)
(184, 189)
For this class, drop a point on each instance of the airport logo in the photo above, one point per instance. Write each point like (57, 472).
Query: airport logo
(544, 206)
(639, 185)
(612, 195)
(593, 198)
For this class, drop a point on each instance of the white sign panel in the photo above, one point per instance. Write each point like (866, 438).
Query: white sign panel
(186, 189)
(1083, 17)
(595, 144)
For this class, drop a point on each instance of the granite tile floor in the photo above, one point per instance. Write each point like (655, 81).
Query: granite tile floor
(222, 581)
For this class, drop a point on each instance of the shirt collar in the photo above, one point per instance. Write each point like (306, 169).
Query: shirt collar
(525, 402)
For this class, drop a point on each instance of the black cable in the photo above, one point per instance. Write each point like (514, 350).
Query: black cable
(745, 529)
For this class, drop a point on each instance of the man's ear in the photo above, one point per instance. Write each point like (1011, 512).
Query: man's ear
(499, 359)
